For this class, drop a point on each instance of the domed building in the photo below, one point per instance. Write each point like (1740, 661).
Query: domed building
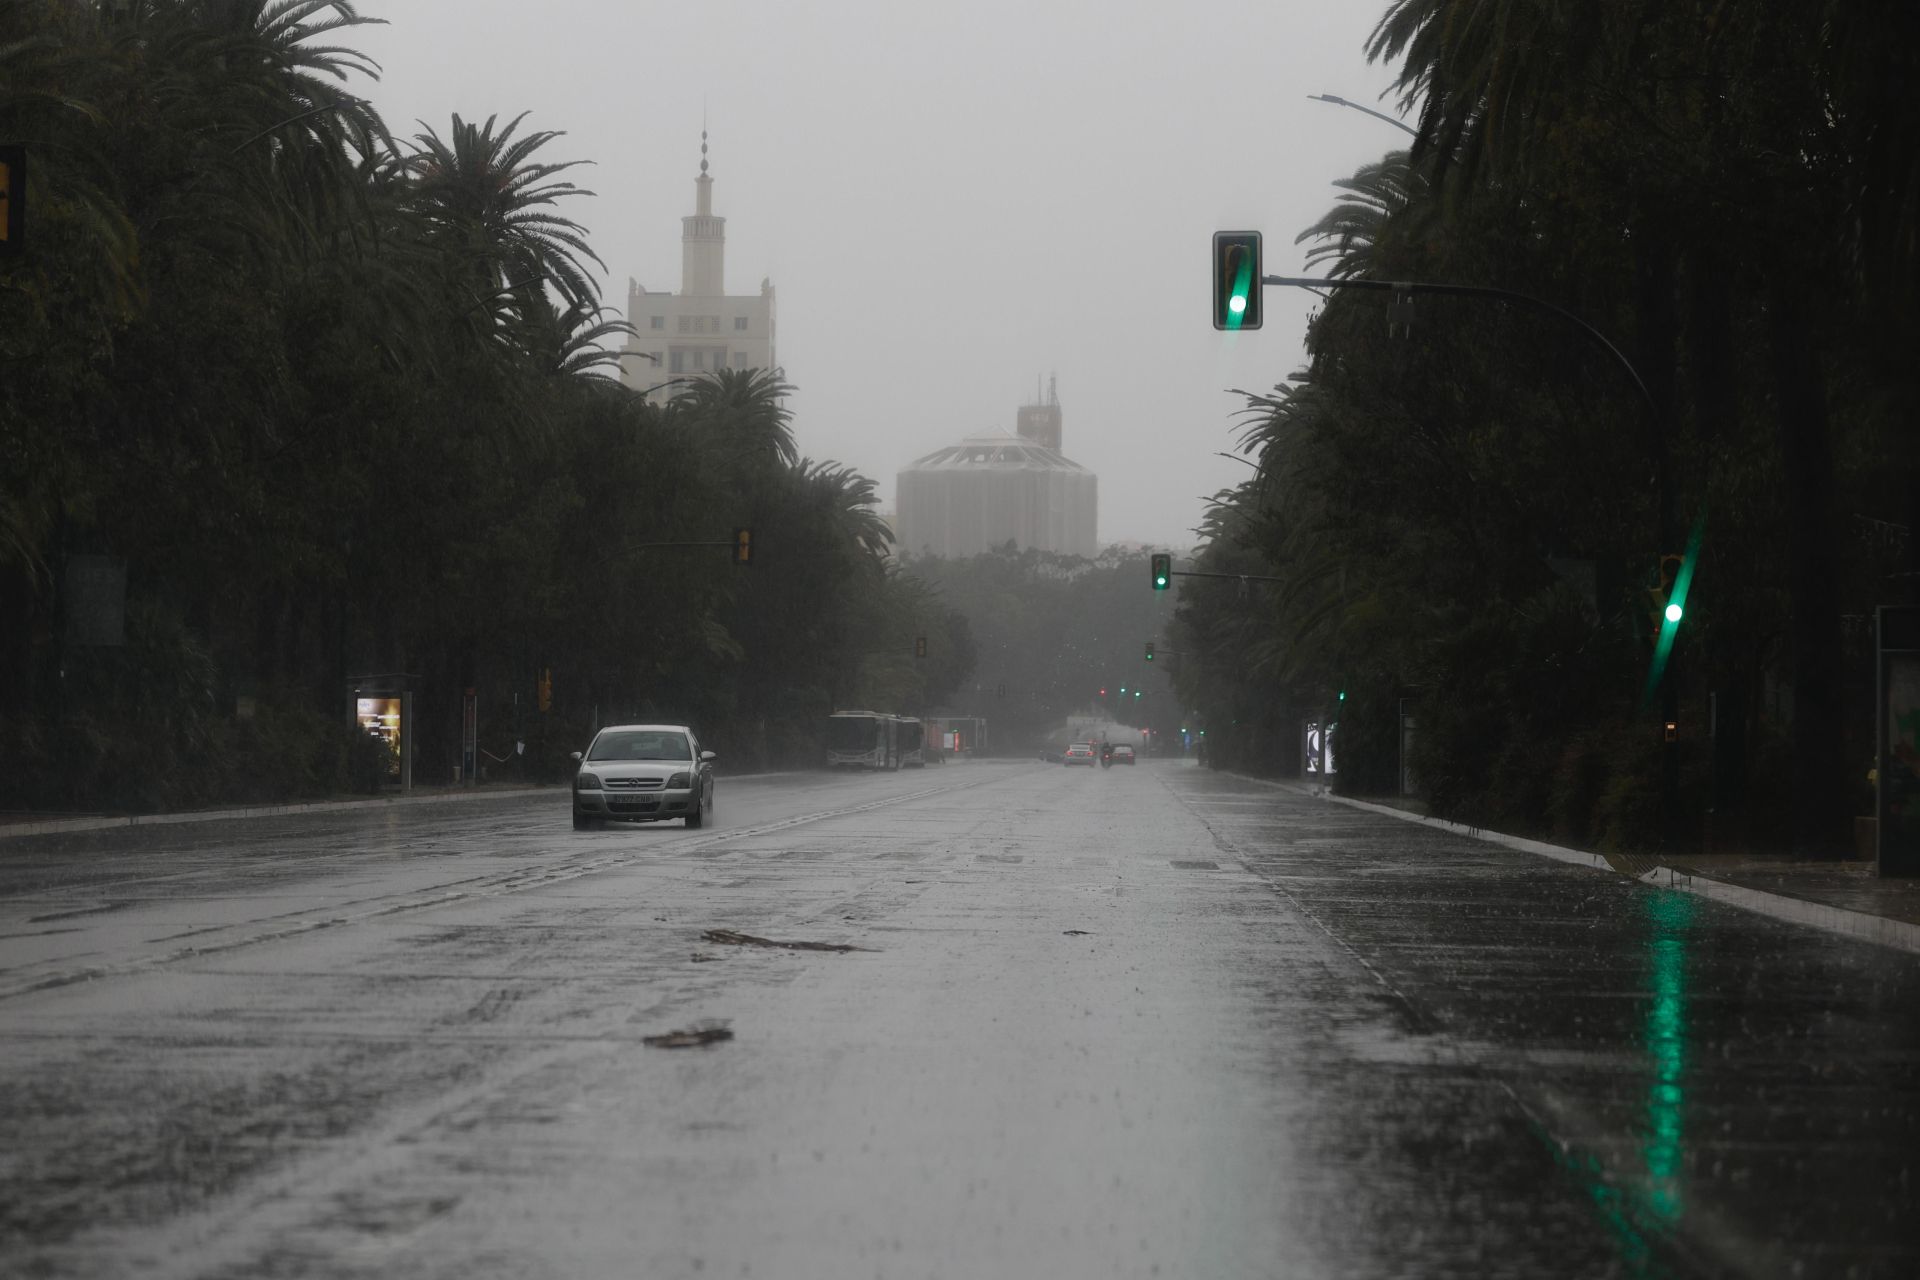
(975, 495)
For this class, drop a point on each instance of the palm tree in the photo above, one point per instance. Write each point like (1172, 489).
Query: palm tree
(487, 207)
(1351, 231)
(742, 416)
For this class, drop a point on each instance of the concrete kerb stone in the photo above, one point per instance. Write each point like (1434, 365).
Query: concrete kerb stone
(1859, 925)
(56, 825)
(53, 826)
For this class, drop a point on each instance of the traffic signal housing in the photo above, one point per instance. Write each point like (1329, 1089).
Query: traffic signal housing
(743, 546)
(919, 646)
(1149, 651)
(1162, 572)
(1236, 279)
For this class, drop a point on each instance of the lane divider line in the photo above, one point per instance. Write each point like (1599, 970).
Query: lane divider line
(516, 881)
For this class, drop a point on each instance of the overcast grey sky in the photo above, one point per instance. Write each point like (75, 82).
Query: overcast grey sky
(951, 201)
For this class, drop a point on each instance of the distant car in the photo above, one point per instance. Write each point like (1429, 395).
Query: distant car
(1122, 754)
(1080, 753)
(643, 773)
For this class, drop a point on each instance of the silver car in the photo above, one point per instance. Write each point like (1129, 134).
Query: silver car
(643, 773)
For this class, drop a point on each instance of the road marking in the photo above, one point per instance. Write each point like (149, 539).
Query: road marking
(515, 881)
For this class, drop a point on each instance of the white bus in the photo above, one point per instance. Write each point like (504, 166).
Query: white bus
(910, 742)
(874, 740)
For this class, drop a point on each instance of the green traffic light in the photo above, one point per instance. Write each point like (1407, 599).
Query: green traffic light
(1236, 280)
(1242, 286)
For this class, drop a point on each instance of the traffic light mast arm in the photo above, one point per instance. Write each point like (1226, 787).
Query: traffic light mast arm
(1240, 577)
(1661, 480)
(1482, 291)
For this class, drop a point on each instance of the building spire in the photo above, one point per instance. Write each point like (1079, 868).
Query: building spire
(703, 185)
(703, 237)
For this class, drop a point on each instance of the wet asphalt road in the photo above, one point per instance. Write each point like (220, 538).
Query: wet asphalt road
(1151, 1022)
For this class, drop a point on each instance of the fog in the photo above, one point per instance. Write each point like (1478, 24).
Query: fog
(952, 203)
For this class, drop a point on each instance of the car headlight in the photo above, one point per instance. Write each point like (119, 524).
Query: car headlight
(586, 782)
(679, 782)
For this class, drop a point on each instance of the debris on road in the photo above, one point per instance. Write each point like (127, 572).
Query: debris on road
(698, 1034)
(729, 938)
(703, 957)
(1077, 933)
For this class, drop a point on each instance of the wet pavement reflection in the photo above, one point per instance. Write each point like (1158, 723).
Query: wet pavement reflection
(989, 1021)
(1729, 1094)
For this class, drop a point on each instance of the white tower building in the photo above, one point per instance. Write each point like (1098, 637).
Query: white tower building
(702, 328)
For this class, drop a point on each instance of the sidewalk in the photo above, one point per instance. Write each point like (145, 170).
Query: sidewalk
(1844, 897)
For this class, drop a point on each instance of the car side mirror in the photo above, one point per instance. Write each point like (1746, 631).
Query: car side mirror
(574, 754)
(708, 755)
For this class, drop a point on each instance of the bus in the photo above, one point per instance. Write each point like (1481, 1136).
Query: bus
(911, 740)
(875, 740)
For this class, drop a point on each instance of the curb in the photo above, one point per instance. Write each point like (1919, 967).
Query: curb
(1858, 925)
(52, 826)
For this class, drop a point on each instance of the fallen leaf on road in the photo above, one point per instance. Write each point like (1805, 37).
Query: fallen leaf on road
(698, 1034)
(729, 938)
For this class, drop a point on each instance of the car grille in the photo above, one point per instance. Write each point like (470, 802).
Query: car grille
(635, 784)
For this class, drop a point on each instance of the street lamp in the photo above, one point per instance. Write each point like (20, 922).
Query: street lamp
(1377, 115)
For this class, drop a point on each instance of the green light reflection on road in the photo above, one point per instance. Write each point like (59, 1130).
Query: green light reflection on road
(1639, 1206)
(1666, 1045)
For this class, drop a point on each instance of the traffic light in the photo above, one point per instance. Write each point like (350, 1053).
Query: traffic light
(1236, 279)
(743, 546)
(1149, 651)
(1162, 571)
(13, 199)
(1103, 693)
(543, 688)
(919, 646)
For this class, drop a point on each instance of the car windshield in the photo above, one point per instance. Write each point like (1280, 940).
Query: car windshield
(641, 744)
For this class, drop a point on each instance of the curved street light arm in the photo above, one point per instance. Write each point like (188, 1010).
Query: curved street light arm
(1377, 115)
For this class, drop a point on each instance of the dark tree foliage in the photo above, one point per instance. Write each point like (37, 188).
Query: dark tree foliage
(1465, 499)
(337, 402)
